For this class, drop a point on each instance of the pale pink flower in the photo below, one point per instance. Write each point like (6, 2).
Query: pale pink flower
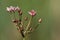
(8, 9)
(32, 13)
(12, 8)
(17, 8)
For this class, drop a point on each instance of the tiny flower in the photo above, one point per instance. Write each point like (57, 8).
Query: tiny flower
(12, 8)
(17, 8)
(32, 13)
(40, 20)
(8, 9)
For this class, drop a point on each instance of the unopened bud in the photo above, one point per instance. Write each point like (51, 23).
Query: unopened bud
(12, 8)
(40, 20)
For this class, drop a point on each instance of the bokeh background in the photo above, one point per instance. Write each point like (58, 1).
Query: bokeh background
(48, 10)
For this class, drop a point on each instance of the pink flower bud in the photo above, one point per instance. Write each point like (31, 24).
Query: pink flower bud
(32, 13)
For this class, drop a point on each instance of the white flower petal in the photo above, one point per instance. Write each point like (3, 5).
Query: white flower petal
(8, 9)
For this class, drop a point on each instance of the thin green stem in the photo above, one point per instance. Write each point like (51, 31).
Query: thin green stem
(10, 16)
(35, 27)
(29, 23)
(14, 16)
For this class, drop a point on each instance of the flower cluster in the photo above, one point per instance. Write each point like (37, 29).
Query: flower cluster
(19, 23)
(13, 9)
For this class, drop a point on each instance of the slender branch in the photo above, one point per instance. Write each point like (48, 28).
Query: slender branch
(28, 24)
(14, 16)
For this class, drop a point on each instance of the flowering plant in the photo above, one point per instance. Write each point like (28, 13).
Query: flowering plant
(19, 23)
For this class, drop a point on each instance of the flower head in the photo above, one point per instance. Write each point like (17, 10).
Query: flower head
(10, 9)
(17, 8)
(32, 13)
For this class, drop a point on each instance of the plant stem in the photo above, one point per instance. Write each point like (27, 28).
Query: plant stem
(35, 27)
(14, 16)
(28, 25)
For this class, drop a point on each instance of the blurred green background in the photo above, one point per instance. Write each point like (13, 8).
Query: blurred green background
(48, 10)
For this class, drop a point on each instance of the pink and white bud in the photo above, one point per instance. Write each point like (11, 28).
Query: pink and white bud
(12, 8)
(19, 10)
(32, 13)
